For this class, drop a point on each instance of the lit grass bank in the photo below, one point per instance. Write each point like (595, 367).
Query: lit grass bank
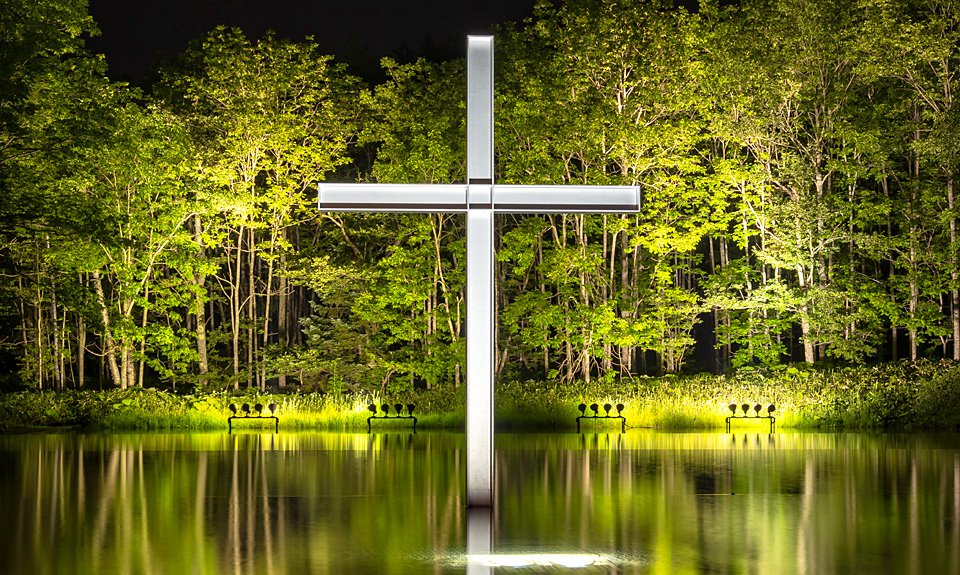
(898, 396)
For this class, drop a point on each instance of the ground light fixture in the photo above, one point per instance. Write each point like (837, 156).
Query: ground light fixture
(597, 418)
(246, 412)
(386, 415)
(745, 414)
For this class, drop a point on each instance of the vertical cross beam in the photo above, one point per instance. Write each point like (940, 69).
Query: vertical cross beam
(481, 333)
(480, 199)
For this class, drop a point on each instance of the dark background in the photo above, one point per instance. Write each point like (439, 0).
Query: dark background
(139, 35)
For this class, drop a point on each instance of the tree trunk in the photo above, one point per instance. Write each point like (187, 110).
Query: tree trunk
(954, 273)
(914, 299)
(57, 360)
(268, 293)
(585, 330)
(251, 309)
(625, 352)
(200, 281)
(543, 290)
(24, 317)
(808, 346)
(282, 325)
(81, 350)
(609, 254)
(111, 351)
(143, 338)
(235, 308)
(38, 317)
(126, 363)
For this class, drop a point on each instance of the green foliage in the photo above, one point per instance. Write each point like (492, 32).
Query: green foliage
(417, 119)
(797, 163)
(758, 313)
(901, 396)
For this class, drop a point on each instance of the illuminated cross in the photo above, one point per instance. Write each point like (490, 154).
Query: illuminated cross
(480, 199)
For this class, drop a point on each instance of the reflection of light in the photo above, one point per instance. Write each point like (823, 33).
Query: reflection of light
(568, 560)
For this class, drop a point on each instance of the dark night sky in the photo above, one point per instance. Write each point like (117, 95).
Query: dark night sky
(137, 35)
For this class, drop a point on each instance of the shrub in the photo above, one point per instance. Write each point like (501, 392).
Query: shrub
(923, 395)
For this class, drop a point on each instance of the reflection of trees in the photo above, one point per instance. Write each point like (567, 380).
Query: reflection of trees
(344, 500)
(331, 503)
(802, 503)
(241, 504)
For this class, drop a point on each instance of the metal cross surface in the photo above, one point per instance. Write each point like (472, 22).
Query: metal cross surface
(480, 199)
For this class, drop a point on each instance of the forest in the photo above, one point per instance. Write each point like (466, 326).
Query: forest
(796, 158)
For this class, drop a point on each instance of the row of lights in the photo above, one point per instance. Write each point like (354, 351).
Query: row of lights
(606, 410)
(385, 408)
(258, 409)
(746, 409)
(596, 409)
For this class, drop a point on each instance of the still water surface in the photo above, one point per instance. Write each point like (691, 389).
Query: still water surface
(640, 502)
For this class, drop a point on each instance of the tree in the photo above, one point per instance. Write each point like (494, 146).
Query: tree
(416, 302)
(602, 93)
(788, 77)
(916, 43)
(272, 118)
(41, 51)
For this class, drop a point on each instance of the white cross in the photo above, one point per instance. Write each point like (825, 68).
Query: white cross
(480, 199)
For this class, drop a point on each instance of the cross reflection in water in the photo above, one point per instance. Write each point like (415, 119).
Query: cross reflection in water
(481, 558)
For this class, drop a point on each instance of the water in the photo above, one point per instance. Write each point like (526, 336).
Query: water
(641, 502)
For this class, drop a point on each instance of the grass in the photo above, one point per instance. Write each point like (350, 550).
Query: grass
(901, 396)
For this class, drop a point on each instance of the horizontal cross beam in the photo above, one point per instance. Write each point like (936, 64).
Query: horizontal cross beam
(453, 198)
